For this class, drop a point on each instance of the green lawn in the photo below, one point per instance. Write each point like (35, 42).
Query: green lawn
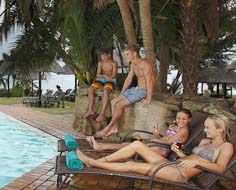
(69, 106)
(69, 109)
(10, 101)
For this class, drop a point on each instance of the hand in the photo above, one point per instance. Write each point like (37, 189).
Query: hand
(146, 102)
(106, 77)
(175, 148)
(189, 163)
(156, 132)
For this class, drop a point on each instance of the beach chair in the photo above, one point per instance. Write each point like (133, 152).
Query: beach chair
(56, 99)
(32, 100)
(196, 130)
(204, 181)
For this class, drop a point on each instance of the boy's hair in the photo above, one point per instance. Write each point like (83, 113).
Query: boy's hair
(105, 51)
(132, 48)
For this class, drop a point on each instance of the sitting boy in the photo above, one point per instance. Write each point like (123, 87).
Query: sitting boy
(106, 78)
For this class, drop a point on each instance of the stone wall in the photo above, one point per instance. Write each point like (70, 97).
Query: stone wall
(134, 117)
(161, 110)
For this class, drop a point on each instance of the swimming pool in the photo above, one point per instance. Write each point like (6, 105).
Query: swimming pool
(22, 148)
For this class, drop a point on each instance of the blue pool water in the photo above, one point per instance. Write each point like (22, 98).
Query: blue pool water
(22, 148)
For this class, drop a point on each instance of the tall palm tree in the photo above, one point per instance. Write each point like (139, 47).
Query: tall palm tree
(189, 47)
(165, 17)
(128, 21)
(147, 35)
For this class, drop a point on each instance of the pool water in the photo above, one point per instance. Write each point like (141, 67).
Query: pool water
(22, 148)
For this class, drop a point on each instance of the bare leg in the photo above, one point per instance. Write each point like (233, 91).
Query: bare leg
(133, 167)
(160, 151)
(105, 102)
(114, 102)
(91, 102)
(111, 128)
(134, 148)
(105, 146)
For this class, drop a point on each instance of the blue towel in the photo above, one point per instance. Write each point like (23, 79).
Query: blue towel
(70, 141)
(73, 162)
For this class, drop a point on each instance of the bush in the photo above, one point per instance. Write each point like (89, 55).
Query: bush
(16, 91)
(3, 92)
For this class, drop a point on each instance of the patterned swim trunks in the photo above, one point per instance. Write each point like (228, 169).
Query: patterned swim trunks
(134, 94)
(104, 83)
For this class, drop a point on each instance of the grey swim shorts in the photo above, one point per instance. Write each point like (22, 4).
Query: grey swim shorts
(134, 94)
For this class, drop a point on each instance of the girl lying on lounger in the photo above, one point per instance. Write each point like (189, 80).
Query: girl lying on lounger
(212, 153)
(176, 132)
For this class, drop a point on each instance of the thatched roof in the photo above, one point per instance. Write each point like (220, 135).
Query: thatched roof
(56, 68)
(35, 76)
(67, 70)
(215, 74)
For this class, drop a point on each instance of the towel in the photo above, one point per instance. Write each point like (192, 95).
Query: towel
(70, 141)
(73, 162)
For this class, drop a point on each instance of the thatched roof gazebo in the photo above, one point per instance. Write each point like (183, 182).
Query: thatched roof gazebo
(218, 75)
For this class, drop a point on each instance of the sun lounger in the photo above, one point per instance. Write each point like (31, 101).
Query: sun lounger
(196, 129)
(204, 181)
(55, 100)
(32, 100)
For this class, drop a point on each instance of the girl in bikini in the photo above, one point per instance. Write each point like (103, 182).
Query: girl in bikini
(176, 132)
(213, 153)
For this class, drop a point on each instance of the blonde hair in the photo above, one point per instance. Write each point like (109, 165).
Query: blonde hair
(132, 48)
(222, 122)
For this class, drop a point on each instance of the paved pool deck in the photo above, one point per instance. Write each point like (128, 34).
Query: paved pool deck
(43, 177)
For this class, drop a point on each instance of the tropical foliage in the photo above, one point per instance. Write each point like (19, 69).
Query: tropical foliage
(173, 31)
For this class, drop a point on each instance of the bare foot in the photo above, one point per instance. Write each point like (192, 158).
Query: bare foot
(88, 114)
(85, 159)
(111, 132)
(100, 118)
(89, 140)
(96, 145)
(103, 132)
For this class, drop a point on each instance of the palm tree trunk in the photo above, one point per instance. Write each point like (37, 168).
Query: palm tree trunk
(189, 48)
(147, 34)
(164, 65)
(128, 22)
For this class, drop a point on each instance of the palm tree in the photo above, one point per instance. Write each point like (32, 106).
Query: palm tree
(128, 21)
(147, 35)
(166, 25)
(83, 34)
(19, 13)
(189, 47)
(68, 29)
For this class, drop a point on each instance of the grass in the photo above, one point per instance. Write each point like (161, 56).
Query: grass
(10, 101)
(69, 106)
(69, 109)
